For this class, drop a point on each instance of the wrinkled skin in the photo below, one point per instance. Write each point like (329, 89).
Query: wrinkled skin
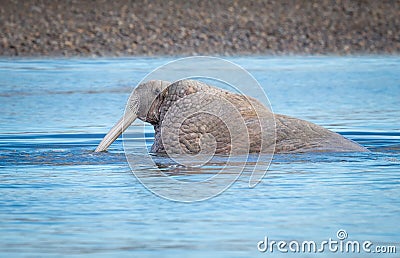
(190, 117)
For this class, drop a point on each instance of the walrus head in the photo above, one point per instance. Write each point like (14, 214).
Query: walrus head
(140, 102)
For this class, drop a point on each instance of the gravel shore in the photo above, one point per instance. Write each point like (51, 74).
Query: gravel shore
(147, 28)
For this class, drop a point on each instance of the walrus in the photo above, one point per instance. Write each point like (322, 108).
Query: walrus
(192, 117)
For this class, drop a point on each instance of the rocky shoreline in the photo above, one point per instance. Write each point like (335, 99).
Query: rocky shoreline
(149, 28)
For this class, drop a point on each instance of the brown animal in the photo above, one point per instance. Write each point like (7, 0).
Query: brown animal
(191, 117)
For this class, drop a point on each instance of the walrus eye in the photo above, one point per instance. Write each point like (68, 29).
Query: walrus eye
(157, 92)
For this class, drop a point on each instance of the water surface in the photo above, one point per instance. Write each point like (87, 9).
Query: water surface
(58, 197)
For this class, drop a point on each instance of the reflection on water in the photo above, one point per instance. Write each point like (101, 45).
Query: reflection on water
(59, 197)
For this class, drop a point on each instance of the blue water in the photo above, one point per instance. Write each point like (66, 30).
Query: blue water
(59, 198)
